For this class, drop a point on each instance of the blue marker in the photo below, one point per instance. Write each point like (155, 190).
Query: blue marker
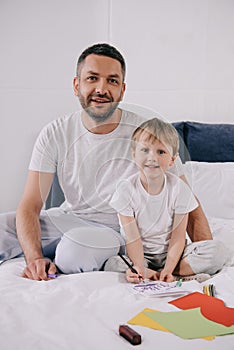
(52, 275)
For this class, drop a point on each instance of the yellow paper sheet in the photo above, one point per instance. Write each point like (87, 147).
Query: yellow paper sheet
(142, 319)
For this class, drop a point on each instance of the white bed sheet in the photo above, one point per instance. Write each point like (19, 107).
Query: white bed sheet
(84, 311)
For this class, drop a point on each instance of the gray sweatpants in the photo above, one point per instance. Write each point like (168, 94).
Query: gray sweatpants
(76, 245)
(203, 257)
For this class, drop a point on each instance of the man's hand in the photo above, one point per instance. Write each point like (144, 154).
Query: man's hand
(38, 269)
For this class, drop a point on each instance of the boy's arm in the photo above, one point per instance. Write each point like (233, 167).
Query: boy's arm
(28, 227)
(134, 247)
(176, 246)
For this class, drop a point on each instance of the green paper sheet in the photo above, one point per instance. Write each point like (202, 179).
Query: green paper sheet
(189, 324)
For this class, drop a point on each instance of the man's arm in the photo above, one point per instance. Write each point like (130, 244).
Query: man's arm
(28, 227)
(198, 227)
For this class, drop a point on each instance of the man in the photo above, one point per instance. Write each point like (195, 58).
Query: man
(89, 150)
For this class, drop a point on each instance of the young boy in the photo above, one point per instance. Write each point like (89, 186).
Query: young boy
(153, 209)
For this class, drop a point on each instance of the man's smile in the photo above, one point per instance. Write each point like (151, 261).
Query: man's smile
(100, 100)
(152, 166)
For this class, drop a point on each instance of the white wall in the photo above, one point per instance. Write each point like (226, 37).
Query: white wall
(179, 53)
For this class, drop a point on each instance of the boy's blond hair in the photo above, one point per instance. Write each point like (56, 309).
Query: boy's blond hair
(156, 129)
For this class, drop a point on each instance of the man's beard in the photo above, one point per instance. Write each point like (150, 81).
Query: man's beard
(99, 113)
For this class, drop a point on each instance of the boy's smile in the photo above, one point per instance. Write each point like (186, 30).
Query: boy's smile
(153, 155)
(153, 158)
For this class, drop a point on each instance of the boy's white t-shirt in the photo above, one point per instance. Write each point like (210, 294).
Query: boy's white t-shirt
(88, 165)
(153, 213)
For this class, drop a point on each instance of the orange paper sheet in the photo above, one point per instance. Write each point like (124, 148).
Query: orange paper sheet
(212, 308)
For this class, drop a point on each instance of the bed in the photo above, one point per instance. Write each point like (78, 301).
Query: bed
(84, 311)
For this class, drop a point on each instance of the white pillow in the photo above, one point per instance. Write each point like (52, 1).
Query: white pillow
(213, 184)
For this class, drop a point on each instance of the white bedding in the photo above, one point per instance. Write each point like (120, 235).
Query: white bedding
(84, 311)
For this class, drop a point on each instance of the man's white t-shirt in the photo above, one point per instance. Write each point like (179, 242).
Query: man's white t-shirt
(153, 213)
(88, 165)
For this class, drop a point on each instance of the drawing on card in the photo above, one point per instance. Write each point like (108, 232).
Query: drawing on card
(158, 288)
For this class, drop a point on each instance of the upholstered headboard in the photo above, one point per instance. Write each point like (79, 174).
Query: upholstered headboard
(198, 142)
(206, 142)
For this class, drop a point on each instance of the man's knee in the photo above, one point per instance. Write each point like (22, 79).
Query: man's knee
(67, 256)
(86, 249)
(9, 244)
(208, 257)
(8, 222)
(116, 264)
(219, 256)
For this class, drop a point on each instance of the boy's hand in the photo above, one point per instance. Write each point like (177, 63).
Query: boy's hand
(166, 276)
(152, 275)
(134, 277)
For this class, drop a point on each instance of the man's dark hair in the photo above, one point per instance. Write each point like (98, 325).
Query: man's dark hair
(102, 49)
